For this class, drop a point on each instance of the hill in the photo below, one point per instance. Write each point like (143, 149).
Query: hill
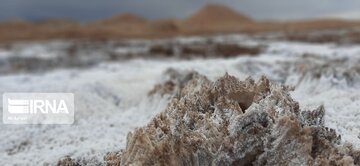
(216, 16)
(124, 18)
(210, 19)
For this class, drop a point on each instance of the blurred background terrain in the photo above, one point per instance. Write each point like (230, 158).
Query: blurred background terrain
(211, 18)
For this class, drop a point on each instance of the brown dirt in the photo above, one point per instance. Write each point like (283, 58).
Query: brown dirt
(215, 16)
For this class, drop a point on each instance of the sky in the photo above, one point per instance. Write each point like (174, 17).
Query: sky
(88, 10)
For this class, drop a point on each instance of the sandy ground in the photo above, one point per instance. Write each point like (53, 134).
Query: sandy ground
(111, 97)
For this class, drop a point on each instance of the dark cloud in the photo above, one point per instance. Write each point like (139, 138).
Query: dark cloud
(86, 10)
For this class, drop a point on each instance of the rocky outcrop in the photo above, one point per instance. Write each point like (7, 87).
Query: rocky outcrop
(232, 122)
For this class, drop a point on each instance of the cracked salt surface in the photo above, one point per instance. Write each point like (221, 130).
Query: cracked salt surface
(111, 99)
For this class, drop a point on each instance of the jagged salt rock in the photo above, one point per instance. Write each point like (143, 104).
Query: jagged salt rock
(232, 122)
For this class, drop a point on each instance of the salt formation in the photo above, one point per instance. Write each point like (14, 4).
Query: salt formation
(174, 82)
(305, 67)
(68, 161)
(314, 67)
(232, 122)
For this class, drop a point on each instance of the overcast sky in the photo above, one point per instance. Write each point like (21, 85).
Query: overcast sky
(85, 10)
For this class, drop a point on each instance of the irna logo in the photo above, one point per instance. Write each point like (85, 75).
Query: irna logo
(38, 108)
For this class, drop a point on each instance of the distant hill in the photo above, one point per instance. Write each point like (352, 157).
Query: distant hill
(216, 15)
(124, 18)
(210, 19)
(57, 22)
(18, 23)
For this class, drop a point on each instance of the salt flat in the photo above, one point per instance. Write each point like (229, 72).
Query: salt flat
(111, 97)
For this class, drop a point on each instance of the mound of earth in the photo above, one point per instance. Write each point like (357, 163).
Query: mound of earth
(216, 16)
(232, 122)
